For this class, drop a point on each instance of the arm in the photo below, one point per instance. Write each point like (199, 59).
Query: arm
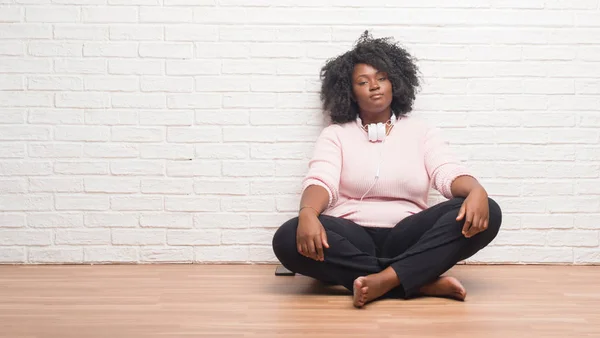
(320, 191)
(324, 170)
(475, 208)
(310, 235)
(314, 200)
(452, 179)
(448, 175)
(462, 186)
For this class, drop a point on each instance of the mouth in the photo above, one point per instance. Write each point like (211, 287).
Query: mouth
(376, 96)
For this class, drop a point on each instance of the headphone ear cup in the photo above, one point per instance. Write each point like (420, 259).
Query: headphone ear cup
(380, 131)
(372, 132)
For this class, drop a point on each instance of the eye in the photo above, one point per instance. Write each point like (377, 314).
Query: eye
(362, 83)
(382, 78)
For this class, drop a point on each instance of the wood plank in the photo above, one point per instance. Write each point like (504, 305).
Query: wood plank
(249, 301)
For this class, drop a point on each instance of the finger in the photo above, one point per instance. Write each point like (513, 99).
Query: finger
(312, 253)
(299, 247)
(480, 227)
(316, 240)
(319, 248)
(474, 226)
(305, 251)
(324, 239)
(485, 224)
(461, 212)
(468, 222)
(481, 224)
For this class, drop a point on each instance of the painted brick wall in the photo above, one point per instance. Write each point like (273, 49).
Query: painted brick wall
(179, 130)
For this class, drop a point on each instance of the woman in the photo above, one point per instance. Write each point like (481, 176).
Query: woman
(363, 220)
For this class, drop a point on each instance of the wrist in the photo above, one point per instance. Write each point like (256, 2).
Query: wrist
(307, 211)
(480, 190)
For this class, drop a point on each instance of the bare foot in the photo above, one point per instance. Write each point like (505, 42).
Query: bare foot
(373, 286)
(361, 291)
(446, 287)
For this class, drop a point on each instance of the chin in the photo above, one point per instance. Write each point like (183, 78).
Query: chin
(375, 109)
(380, 108)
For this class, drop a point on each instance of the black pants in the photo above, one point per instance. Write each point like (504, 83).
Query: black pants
(420, 248)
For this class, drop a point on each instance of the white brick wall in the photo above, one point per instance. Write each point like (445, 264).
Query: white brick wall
(179, 131)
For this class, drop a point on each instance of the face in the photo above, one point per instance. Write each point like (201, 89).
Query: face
(372, 90)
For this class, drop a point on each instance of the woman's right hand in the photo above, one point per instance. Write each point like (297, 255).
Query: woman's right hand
(311, 236)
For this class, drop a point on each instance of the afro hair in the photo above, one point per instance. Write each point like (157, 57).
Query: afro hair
(383, 54)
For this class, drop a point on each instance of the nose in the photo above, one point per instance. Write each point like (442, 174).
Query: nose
(374, 86)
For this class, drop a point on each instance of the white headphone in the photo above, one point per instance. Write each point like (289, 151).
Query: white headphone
(376, 131)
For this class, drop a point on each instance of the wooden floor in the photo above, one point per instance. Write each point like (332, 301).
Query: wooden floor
(249, 301)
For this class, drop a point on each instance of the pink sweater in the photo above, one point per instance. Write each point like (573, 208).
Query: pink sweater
(414, 158)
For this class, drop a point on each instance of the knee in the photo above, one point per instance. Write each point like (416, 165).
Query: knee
(284, 241)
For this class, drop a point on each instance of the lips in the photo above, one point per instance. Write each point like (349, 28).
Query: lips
(376, 96)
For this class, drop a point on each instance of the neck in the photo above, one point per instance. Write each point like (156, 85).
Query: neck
(368, 118)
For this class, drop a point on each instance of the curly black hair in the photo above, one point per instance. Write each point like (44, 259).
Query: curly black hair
(383, 54)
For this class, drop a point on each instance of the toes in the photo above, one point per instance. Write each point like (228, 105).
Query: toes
(459, 294)
(359, 282)
(360, 293)
(363, 294)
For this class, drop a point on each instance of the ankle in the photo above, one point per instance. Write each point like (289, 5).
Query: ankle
(388, 278)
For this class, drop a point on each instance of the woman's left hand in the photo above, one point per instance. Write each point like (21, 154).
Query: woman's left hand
(476, 210)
